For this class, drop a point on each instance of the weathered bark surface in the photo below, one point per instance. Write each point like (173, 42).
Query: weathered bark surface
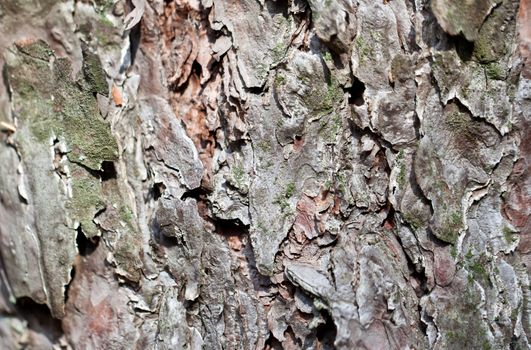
(250, 174)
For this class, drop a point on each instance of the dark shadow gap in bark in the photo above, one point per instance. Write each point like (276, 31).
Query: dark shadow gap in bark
(463, 47)
(134, 39)
(423, 326)
(39, 318)
(156, 191)
(195, 71)
(198, 194)
(232, 227)
(255, 90)
(416, 125)
(355, 92)
(323, 49)
(85, 246)
(389, 221)
(108, 171)
(273, 344)
(67, 287)
(326, 332)
(236, 145)
(423, 280)
(278, 8)
(5, 78)
(163, 240)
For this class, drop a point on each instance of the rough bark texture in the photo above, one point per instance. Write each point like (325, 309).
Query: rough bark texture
(250, 174)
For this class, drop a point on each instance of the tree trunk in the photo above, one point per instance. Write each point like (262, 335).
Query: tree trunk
(259, 174)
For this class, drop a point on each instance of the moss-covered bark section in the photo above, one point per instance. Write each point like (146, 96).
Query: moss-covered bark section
(55, 106)
(462, 17)
(63, 141)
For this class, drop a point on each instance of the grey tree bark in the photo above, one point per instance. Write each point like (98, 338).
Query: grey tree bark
(259, 174)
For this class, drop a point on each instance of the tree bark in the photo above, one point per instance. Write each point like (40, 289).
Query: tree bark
(260, 174)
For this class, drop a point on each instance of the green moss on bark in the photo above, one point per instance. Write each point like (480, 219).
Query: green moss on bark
(51, 104)
(86, 200)
(94, 74)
